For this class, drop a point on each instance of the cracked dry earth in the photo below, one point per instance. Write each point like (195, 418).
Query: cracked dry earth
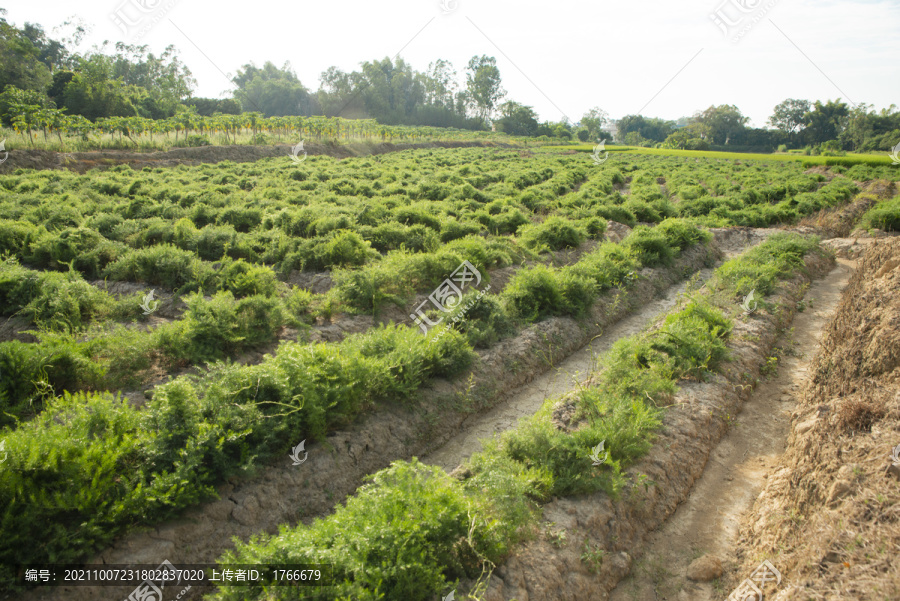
(708, 521)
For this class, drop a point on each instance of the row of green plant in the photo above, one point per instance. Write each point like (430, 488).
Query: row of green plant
(540, 291)
(116, 356)
(870, 159)
(235, 416)
(413, 532)
(190, 129)
(883, 216)
(91, 466)
(329, 214)
(69, 356)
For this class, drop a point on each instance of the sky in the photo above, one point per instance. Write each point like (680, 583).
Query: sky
(659, 58)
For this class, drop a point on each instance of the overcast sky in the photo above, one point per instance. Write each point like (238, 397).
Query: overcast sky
(665, 58)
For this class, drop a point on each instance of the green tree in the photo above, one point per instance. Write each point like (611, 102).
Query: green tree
(272, 91)
(723, 122)
(656, 130)
(517, 119)
(825, 121)
(20, 59)
(690, 137)
(593, 121)
(483, 85)
(868, 130)
(14, 102)
(788, 116)
(440, 84)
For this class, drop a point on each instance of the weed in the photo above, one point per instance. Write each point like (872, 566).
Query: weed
(593, 557)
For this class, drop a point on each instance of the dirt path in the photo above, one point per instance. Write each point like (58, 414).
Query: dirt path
(567, 376)
(708, 521)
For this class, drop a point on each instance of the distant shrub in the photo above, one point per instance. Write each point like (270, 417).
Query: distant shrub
(453, 229)
(504, 222)
(534, 293)
(681, 233)
(85, 249)
(247, 279)
(480, 317)
(219, 327)
(760, 268)
(883, 216)
(394, 236)
(58, 301)
(618, 214)
(650, 246)
(163, 265)
(17, 236)
(554, 233)
(608, 266)
(414, 215)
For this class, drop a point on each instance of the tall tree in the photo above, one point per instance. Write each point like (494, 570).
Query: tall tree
(593, 121)
(440, 84)
(483, 85)
(517, 119)
(724, 122)
(20, 59)
(825, 121)
(643, 128)
(868, 130)
(788, 116)
(272, 91)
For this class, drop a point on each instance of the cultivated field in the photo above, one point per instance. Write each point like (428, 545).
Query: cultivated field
(172, 333)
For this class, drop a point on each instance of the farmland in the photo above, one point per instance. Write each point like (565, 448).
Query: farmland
(122, 410)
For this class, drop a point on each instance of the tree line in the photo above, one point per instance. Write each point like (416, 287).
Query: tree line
(46, 87)
(819, 127)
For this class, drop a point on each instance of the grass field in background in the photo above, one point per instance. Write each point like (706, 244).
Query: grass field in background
(853, 158)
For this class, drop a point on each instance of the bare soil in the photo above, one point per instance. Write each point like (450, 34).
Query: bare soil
(707, 522)
(829, 516)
